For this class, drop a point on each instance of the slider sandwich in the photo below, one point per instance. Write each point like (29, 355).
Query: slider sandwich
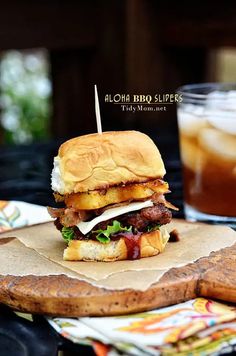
(113, 191)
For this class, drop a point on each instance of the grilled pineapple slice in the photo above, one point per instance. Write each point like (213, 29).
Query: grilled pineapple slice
(96, 199)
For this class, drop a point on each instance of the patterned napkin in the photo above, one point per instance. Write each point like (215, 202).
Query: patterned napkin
(197, 327)
(15, 214)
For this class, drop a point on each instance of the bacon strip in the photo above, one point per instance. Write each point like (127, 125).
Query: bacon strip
(69, 216)
(160, 199)
(55, 212)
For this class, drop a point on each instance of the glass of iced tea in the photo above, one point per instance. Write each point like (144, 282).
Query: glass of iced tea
(207, 132)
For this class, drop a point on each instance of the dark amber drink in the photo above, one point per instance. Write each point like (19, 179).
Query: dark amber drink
(208, 152)
(210, 186)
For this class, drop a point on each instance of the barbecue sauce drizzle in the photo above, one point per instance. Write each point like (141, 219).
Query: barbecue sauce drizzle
(132, 242)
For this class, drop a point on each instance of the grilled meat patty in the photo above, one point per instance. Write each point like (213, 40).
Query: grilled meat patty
(158, 214)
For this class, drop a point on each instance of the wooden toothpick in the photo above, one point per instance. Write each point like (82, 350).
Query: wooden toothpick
(97, 111)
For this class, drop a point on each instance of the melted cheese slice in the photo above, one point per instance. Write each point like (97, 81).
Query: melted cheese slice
(86, 226)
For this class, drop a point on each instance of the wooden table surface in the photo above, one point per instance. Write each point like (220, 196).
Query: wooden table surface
(213, 276)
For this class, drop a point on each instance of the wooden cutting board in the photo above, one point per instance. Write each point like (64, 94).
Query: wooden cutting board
(213, 276)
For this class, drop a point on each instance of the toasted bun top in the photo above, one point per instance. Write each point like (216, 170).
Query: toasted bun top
(97, 161)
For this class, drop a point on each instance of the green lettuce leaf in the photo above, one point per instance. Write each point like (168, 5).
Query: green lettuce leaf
(103, 236)
(67, 233)
(153, 227)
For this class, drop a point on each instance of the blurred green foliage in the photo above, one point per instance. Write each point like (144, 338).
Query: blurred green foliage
(25, 93)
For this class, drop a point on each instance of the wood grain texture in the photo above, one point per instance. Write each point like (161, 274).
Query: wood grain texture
(213, 276)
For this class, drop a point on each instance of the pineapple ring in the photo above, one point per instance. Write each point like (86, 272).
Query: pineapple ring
(96, 199)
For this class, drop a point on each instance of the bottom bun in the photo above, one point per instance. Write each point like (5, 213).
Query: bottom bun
(151, 244)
